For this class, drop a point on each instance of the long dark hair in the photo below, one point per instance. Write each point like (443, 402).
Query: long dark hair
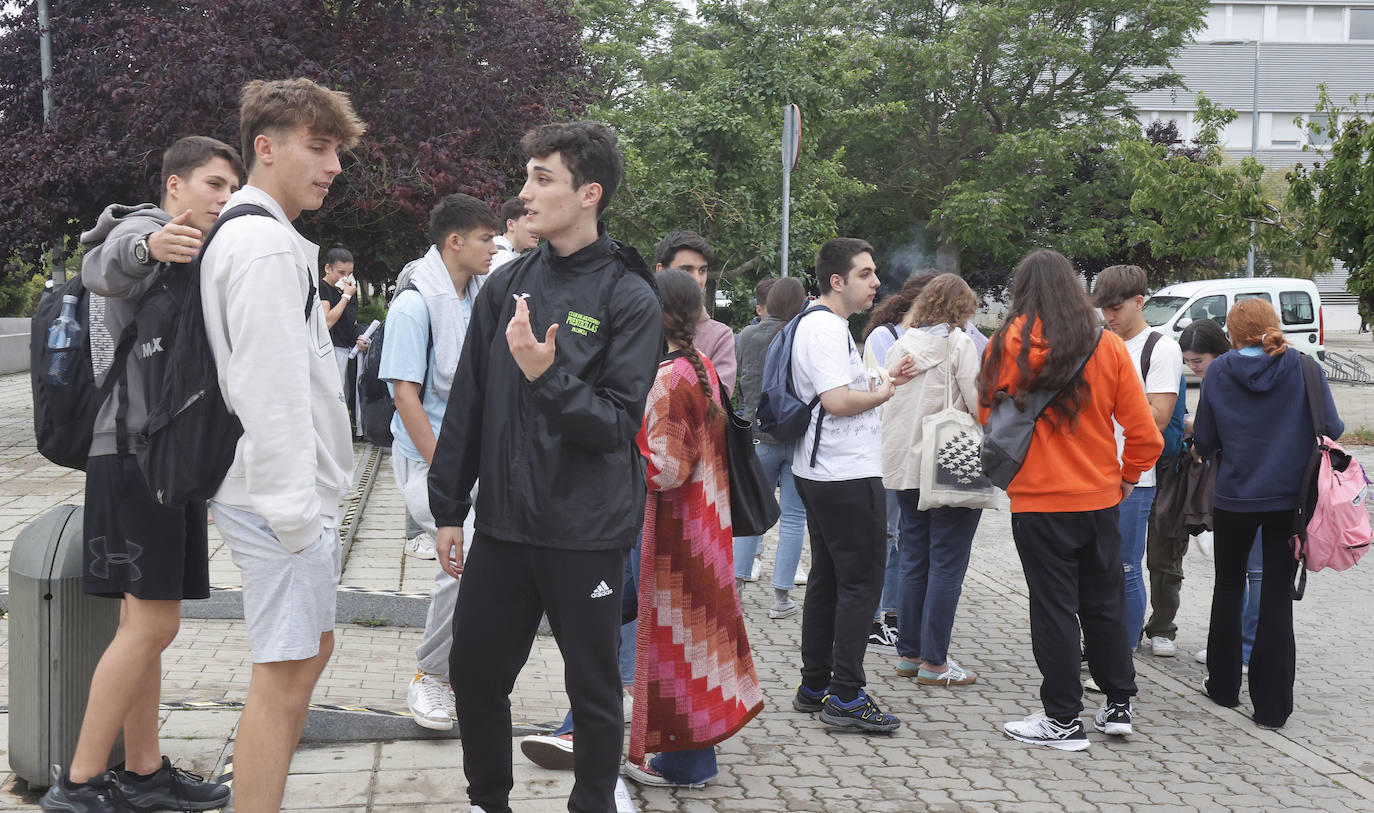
(681, 308)
(1046, 291)
(893, 307)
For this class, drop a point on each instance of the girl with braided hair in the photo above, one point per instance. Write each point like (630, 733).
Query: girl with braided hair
(690, 624)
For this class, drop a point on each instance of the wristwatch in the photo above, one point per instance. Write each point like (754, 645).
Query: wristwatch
(142, 253)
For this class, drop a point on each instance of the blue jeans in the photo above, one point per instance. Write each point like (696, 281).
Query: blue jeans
(777, 467)
(892, 585)
(1135, 514)
(630, 630)
(1249, 619)
(686, 767)
(935, 551)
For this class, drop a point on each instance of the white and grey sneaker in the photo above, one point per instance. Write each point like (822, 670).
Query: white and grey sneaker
(421, 547)
(431, 700)
(786, 608)
(1038, 729)
(1163, 647)
(800, 578)
(1114, 718)
(756, 569)
(1201, 656)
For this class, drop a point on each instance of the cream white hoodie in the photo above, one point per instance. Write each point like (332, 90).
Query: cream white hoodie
(277, 372)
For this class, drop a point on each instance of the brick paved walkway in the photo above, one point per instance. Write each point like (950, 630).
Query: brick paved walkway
(951, 756)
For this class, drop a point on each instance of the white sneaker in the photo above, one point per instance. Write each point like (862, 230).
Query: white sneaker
(1114, 718)
(421, 547)
(756, 569)
(1163, 647)
(430, 699)
(627, 705)
(1201, 656)
(1038, 729)
(800, 577)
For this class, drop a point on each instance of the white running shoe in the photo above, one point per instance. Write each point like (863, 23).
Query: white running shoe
(1163, 647)
(1038, 729)
(430, 699)
(756, 569)
(421, 547)
(1201, 656)
(800, 578)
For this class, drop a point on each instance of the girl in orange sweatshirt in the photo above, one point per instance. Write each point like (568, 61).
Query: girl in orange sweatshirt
(1064, 499)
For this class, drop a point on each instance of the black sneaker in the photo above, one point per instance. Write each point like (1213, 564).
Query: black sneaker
(171, 788)
(1038, 729)
(882, 637)
(861, 713)
(98, 795)
(1114, 718)
(809, 701)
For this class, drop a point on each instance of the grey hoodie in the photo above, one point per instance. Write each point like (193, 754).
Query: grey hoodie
(116, 281)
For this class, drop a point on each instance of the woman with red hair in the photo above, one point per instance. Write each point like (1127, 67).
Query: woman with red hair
(1253, 410)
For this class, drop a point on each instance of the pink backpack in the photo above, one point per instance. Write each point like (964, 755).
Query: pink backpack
(1333, 528)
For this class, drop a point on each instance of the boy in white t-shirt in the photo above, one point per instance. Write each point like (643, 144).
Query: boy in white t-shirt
(1120, 294)
(837, 467)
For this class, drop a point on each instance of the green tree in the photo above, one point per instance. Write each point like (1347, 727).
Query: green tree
(700, 126)
(1336, 196)
(957, 81)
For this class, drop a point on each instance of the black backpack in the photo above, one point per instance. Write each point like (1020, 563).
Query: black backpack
(375, 401)
(64, 415)
(190, 438)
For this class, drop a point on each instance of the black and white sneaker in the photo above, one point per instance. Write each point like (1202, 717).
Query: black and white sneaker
(1114, 718)
(98, 795)
(171, 788)
(1038, 729)
(882, 637)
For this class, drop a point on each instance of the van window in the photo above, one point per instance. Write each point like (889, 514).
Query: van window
(1258, 295)
(1296, 308)
(1209, 307)
(1159, 309)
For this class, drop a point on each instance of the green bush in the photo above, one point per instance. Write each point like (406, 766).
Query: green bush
(19, 293)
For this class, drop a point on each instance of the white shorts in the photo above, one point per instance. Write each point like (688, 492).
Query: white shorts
(289, 599)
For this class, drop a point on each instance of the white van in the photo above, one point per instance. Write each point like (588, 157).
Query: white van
(1297, 302)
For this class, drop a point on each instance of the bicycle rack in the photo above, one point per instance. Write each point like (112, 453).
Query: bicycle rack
(1349, 369)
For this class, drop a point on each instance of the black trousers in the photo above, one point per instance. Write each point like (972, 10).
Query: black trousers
(1072, 562)
(1273, 660)
(848, 524)
(506, 587)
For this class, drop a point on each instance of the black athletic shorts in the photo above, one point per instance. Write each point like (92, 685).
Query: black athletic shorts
(134, 544)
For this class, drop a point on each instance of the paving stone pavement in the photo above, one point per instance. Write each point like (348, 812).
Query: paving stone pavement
(950, 755)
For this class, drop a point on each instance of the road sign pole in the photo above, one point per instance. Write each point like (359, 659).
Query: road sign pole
(791, 146)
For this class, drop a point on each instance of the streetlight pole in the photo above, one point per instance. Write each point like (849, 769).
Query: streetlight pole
(1254, 152)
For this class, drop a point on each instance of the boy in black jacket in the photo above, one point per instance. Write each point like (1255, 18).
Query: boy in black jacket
(549, 426)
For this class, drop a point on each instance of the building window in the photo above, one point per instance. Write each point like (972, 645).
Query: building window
(1362, 23)
(1292, 25)
(1314, 138)
(1328, 24)
(1285, 131)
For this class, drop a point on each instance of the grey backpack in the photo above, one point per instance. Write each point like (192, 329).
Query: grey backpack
(1009, 432)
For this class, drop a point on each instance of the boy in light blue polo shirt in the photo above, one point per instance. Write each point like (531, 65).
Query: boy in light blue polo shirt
(425, 326)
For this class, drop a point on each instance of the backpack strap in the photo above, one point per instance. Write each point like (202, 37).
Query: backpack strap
(113, 378)
(1146, 354)
(1312, 380)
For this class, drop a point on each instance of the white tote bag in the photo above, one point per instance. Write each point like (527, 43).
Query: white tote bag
(951, 469)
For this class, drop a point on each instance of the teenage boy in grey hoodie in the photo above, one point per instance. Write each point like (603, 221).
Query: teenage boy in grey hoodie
(149, 555)
(278, 507)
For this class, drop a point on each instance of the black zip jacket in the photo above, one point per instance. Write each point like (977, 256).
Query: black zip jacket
(556, 456)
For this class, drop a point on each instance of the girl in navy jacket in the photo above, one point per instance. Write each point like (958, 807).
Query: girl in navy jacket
(1253, 410)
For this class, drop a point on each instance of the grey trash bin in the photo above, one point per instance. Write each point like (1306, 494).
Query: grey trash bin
(57, 635)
